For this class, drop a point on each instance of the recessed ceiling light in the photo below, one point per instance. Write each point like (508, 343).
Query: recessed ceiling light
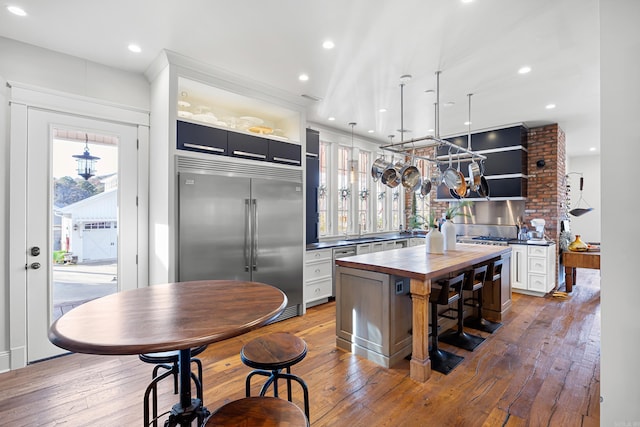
(331, 119)
(467, 123)
(449, 104)
(592, 149)
(524, 70)
(328, 44)
(303, 77)
(467, 1)
(134, 48)
(16, 10)
(382, 110)
(430, 130)
(550, 106)
(370, 131)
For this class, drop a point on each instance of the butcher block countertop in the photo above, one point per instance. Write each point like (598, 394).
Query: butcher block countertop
(415, 263)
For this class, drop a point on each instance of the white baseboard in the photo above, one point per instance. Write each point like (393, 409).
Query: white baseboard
(5, 361)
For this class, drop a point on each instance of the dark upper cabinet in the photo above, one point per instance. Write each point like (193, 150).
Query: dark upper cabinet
(248, 146)
(506, 154)
(203, 139)
(285, 153)
(313, 142)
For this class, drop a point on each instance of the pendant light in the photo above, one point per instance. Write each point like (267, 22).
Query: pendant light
(353, 163)
(85, 162)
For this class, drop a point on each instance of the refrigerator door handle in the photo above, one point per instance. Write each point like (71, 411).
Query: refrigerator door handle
(254, 237)
(247, 233)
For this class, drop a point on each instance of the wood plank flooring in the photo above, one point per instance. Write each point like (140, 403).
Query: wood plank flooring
(542, 368)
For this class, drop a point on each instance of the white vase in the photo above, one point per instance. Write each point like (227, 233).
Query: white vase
(434, 242)
(449, 233)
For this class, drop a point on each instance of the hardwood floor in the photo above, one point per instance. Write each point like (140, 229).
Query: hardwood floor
(541, 368)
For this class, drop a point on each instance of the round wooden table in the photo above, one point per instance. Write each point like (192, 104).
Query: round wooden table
(172, 316)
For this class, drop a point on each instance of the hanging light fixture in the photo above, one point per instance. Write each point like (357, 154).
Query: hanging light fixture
(85, 162)
(353, 163)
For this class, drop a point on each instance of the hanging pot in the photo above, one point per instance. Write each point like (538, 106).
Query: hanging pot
(451, 177)
(378, 168)
(454, 194)
(411, 177)
(390, 176)
(462, 187)
(474, 175)
(483, 188)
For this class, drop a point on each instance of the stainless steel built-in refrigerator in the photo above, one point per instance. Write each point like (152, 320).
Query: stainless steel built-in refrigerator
(247, 226)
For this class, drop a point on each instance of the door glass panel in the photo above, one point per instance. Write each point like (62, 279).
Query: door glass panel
(84, 218)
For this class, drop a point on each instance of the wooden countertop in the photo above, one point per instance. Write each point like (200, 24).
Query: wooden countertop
(415, 263)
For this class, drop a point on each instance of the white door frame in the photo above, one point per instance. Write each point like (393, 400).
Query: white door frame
(22, 97)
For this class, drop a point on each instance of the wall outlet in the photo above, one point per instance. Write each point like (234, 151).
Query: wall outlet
(399, 287)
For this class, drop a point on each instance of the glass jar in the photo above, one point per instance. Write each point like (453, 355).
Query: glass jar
(578, 245)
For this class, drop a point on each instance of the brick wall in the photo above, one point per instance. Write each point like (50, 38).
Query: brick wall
(546, 184)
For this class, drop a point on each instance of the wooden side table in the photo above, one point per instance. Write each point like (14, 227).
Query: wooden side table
(573, 260)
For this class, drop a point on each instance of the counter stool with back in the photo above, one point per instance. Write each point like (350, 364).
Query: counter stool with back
(473, 281)
(443, 292)
(492, 274)
(269, 355)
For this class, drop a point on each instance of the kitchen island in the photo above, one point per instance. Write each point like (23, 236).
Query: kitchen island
(382, 300)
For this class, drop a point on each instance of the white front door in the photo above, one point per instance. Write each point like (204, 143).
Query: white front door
(42, 126)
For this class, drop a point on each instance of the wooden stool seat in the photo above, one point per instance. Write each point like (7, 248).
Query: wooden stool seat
(167, 360)
(258, 412)
(269, 355)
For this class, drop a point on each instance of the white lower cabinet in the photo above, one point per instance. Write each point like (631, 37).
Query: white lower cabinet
(533, 269)
(318, 270)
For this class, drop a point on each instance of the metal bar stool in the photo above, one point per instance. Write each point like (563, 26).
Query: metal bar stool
(444, 292)
(264, 411)
(167, 360)
(473, 281)
(269, 355)
(493, 274)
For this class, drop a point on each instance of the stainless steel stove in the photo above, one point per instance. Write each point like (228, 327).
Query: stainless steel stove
(484, 240)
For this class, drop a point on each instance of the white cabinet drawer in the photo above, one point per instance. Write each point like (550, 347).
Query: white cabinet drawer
(538, 250)
(378, 247)
(538, 282)
(316, 270)
(317, 289)
(537, 265)
(319, 255)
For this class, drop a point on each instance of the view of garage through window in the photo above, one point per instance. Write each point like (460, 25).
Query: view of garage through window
(84, 218)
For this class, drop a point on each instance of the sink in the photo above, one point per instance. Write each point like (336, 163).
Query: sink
(364, 239)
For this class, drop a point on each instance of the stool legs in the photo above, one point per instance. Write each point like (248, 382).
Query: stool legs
(273, 377)
(460, 338)
(441, 361)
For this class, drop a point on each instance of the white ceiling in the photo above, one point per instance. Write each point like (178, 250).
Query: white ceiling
(478, 47)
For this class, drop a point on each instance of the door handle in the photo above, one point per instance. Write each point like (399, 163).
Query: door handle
(35, 265)
(35, 251)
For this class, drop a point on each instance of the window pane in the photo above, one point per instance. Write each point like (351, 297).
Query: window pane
(323, 191)
(363, 196)
(343, 195)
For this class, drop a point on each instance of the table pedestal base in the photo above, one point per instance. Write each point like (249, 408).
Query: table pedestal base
(184, 416)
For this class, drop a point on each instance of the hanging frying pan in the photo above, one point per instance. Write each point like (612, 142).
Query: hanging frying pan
(580, 211)
(483, 188)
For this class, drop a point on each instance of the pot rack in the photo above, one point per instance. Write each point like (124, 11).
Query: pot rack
(407, 148)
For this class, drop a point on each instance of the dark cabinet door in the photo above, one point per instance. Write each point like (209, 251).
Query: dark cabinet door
(248, 147)
(285, 153)
(313, 181)
(313, 142)
(203, 139)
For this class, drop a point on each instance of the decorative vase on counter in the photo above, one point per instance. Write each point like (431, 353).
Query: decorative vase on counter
(449, 234)
(434, 241)
(578, 245)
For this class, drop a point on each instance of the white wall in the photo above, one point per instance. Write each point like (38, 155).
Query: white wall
(587, 225)
(27, 64)
(620, 290)
(4, 227)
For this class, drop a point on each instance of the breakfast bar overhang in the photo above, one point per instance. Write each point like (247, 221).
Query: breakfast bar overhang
(372, 317)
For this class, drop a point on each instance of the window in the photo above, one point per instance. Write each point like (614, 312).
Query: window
(363, 193)
(344, 191)
(323, 191)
